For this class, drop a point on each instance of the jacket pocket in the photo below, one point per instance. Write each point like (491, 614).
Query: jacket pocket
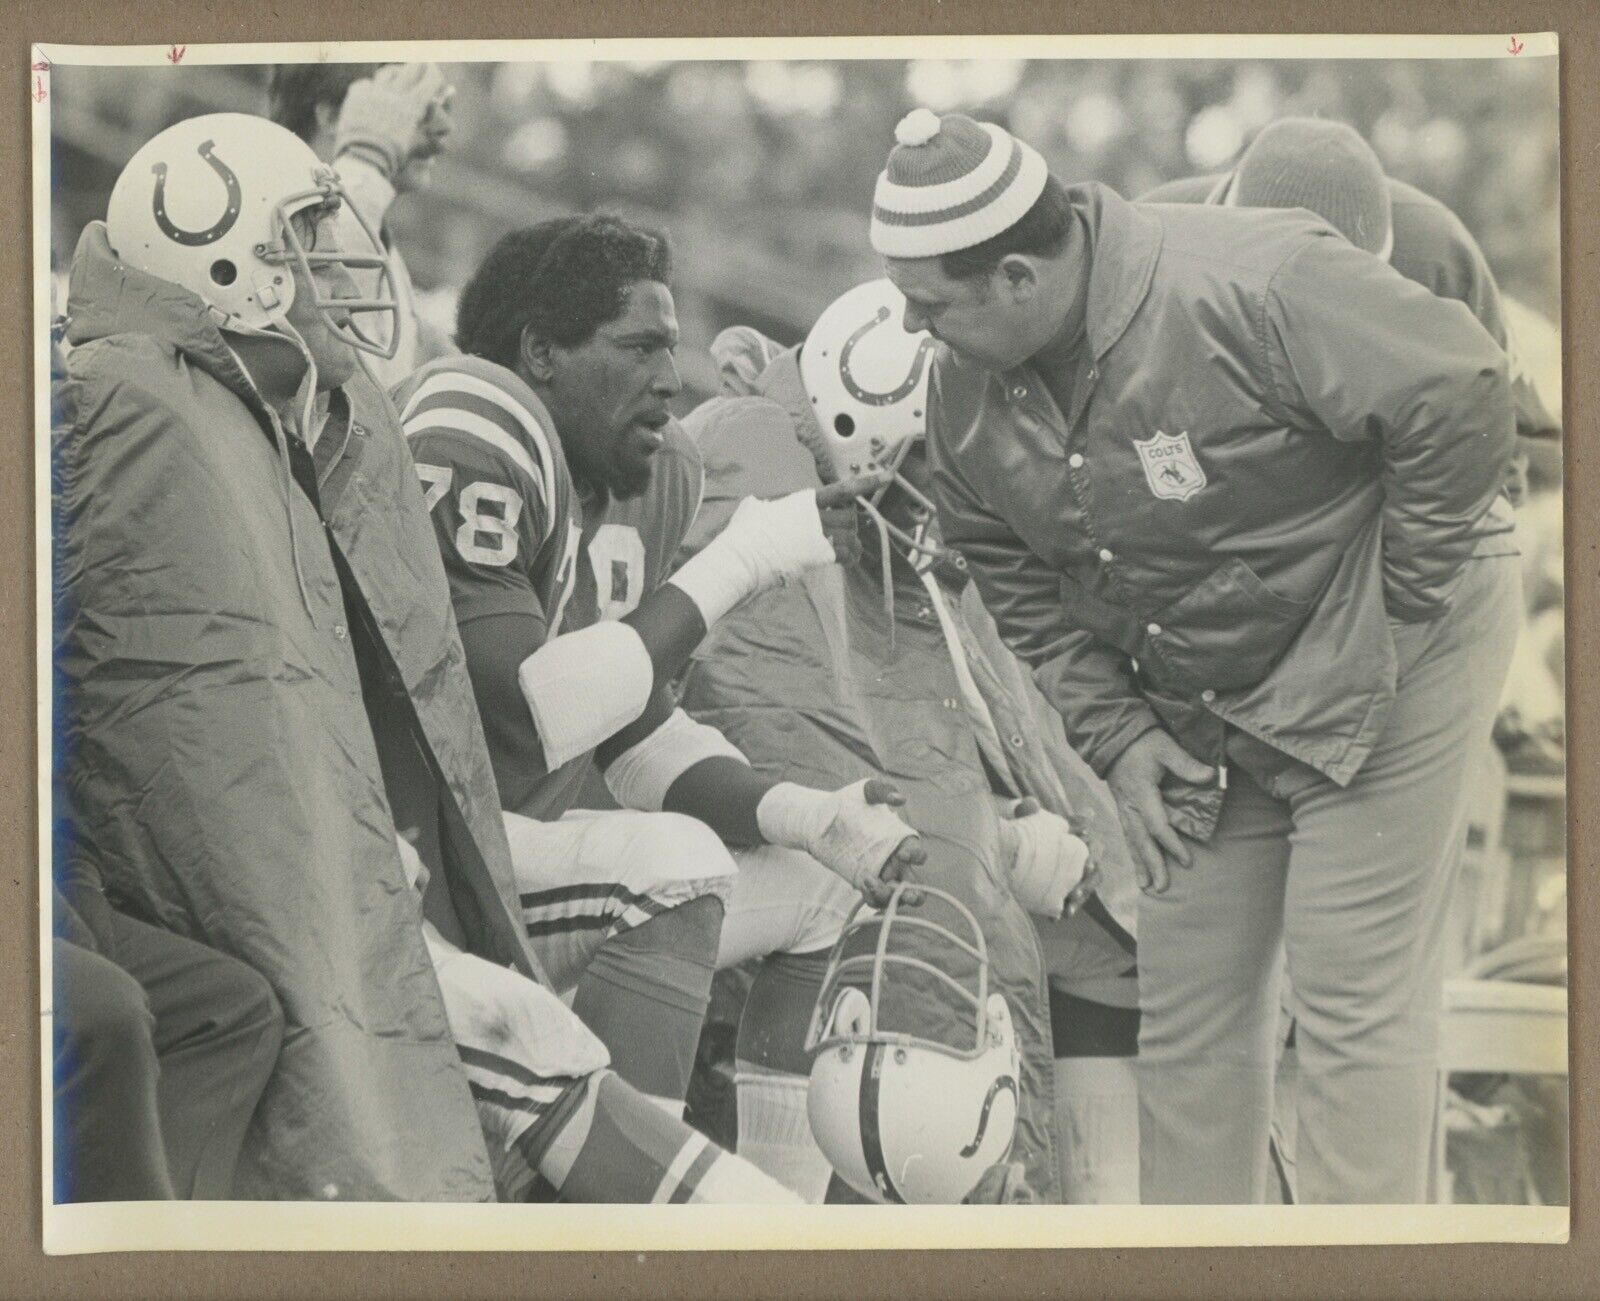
(1228, 632)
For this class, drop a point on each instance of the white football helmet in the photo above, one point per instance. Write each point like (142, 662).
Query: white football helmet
(900, 1115)
(206, 204)
(867, 381)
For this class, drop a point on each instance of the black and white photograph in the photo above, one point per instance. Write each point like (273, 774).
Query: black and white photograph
(970, 626)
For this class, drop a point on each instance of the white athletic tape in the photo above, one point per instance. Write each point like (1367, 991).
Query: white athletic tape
(584, 687)
(839, 828)
(764, 542)
(640, 777)
(1047, 861)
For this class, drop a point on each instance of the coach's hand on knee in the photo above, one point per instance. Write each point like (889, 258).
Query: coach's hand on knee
(1135, 782)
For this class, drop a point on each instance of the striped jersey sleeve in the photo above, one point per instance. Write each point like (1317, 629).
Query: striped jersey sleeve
(496, 487)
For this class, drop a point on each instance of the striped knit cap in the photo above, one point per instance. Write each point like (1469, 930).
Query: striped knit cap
(951, 183)
(1324, 167)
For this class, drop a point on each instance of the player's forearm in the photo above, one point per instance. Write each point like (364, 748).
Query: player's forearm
(723, 793)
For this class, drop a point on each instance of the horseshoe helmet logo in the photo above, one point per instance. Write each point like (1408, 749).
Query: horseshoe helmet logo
(223, 224)
(919, 363)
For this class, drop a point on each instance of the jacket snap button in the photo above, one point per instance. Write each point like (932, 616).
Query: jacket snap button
(1208, 695)
(338, 631)
(1154, 629)
(1016, 740)
(1105, 554)
(1075, 461)
(1019, 392)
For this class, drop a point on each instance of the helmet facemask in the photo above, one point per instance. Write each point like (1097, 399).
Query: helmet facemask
(338, 313)
(915, 1075)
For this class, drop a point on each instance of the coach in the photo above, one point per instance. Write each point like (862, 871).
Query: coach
(1220, 477)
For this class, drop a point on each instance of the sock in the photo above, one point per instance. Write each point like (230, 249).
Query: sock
(645, 993)
(771, 1073)
(1096, 1099)
(775, 1132)
(1097, 1122)
(620, 1148)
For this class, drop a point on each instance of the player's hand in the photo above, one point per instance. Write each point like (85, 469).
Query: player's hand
(1050, 870)
(392, 116)
(854, 832)
(1135, 782)
(841, 519)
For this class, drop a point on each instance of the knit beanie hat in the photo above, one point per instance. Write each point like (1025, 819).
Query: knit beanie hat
(1326, 167)
(951, 183)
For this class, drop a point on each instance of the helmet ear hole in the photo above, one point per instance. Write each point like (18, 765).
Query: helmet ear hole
(223, 272)
(844, 425)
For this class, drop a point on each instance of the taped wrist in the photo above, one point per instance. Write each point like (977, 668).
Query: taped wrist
(640, 777)
(838, 828)
(764, 542)
(584, 687)
(1047, 862)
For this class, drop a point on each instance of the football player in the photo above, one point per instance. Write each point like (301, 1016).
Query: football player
(560, 489)
(262, 677)
(892, 668)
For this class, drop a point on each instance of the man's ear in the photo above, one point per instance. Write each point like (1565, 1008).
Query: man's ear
(534, 357)
(1020, 277)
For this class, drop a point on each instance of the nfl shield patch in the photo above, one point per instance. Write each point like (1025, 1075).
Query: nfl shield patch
(1170, 466)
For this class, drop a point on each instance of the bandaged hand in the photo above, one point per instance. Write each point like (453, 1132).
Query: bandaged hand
(767, 542)
(1049, 865)
(382, 114)
(854, 832)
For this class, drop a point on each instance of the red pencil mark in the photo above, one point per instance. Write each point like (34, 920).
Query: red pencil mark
(1516, 46)
(176, 53)
(43, 65)
(40, 94)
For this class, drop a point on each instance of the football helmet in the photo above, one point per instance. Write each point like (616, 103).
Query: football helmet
(206, 204)
(913, 1093)
(867, 381)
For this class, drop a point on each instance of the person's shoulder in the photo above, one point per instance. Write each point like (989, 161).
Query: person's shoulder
(470, 409)
(750, 448)
(1432, 245)
(1186, 189)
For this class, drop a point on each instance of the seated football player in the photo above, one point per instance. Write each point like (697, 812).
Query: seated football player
(261, 678)
(893, 669)
(560, 488)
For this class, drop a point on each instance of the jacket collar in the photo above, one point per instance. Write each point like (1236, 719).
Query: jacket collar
(107, 297)
(1124, 243)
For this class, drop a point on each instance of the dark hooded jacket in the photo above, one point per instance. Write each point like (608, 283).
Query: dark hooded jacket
(220, 758)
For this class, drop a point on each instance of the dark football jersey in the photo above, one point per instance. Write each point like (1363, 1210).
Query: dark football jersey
(517, 538)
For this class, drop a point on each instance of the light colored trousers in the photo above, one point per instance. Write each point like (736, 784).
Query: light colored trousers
(1352, 885)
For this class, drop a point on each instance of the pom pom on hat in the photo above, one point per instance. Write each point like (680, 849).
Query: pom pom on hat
(917, 127)
(951, 183)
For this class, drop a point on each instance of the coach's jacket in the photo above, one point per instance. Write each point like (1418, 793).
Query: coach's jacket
(1276, 448)
(220, 763)
(814, 683)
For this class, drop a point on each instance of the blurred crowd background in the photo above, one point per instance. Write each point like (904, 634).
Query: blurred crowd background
(762, 173)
